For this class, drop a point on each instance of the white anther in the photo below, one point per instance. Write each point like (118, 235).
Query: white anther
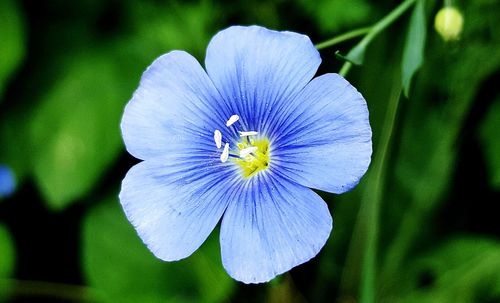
(218, 138)
(225, 153)
(232, 120)
(247, 151)
(246, 134)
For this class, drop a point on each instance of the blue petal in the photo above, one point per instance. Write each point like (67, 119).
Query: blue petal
(256, 69)
(7, 181)
(322, 139)
(175, 104)
(273, 226)
(174, 203)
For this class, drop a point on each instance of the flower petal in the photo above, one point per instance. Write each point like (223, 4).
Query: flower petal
(175, 103)
(255, 69)
(175, 203)
(323, 137)
(273, 226)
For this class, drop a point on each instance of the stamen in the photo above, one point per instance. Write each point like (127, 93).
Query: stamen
(225, 153)
(232, 120)
(249, 133)
(247, 151)
(218, 138)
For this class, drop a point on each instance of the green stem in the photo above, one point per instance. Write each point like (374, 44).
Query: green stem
(343, 37)
(345, 69)
(367, 226)
(371, 200)
(386, 21)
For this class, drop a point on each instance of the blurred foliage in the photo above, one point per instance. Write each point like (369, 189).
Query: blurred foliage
(121, 269)
(77, 125)
(68, 68)
(12, 47)
(428, 151)
(463, 269)
(336, 15)
(491, 143)
(7, 254)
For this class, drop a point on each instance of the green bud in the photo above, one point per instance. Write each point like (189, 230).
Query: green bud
(449, 23)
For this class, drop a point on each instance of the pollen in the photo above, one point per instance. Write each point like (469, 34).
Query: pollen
(254, 158)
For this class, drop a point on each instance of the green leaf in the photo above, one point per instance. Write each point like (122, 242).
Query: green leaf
(7, 254)
(121, 269)
(75, 129)
(488, 134)
(357, 54)
(465, 269)
(413, 53)
(12, 40)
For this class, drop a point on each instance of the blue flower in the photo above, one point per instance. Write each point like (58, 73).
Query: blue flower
(7, 181)
(244, 141)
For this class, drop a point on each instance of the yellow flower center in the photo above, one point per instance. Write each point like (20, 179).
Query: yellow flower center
(256, 161)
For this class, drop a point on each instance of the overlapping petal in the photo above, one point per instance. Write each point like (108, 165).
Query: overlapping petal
(173, 110)
(322, 139)
(272, 226)
(174, 202)
(256, 69)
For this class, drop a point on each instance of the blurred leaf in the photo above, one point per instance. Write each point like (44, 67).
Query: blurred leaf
(75, 129)
(491, 144)
(335, 15)
(12, 40)
(461, 270)
(7, 254)
(119, 266)
(413, 54)
(160, 27)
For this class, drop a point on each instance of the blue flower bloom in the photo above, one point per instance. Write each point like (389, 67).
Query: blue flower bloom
(7, 181)
(244, 141)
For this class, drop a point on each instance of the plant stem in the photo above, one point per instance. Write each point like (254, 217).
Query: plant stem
(372, 198)
(343, 37)
(367, 225)
(386, 21)
(345, 69)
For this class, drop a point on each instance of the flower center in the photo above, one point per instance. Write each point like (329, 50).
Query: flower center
(252, 155)
(257, 160)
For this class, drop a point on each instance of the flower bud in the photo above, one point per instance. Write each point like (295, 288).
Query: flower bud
(448, 23)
